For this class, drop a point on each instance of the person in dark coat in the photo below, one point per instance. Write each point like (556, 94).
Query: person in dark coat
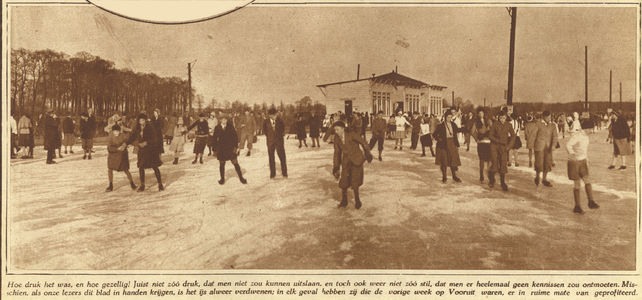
(274, 130)
(146, 137)
(87, 132)
(448, 145)
(52, 137)
(301, 133)
(379, 126)
(227, 142)
(621, 133)
(118, 158)
(68, 131)
(159, 124)
(502, 136)
(315, 123)
(348, 161)
(202, 134)
(416, 129)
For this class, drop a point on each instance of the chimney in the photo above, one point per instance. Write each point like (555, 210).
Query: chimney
(395, 69)
(373, 75)
(358, 67)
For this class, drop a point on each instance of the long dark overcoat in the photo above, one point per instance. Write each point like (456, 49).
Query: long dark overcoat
(148, 156)
(52, 137)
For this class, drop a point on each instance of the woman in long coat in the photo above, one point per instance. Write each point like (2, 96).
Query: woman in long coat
(301, 133)
(315, 123)
(52, 137)
(227, 142)
(148, 156)
(118, 158)
(448, 146)
(159, 123)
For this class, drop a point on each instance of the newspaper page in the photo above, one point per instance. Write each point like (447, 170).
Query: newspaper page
(320, 150)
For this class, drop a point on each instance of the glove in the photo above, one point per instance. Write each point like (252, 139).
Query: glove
(336, 173)
(369, 157)
(142, 145)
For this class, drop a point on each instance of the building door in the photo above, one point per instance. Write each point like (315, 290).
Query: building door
(348, 110)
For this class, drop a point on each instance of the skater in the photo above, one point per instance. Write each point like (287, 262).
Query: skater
(513, 151)
(69, 138)
(530, 128)
(118, 158)
(25, 136)
(159, 123)
(621, 133)
(227, 141)
(87, 131)
(14, 136)
(502, 136)
(577, 147)
(315, 122)
(247, 129)
(379, 127)
(170, 124)
(212, 121)
(52, 136)
(400, 132)
(416, 129)
(467, 123)
(179, 138)
(301, 133)
(448, 146)
(545, 141)
(348, 162)
(357, 122)
(148, 157)
(202, 133)
(480, 132)
(426, 137)
(274, 130)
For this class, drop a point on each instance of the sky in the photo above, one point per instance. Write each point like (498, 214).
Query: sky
(276, 54)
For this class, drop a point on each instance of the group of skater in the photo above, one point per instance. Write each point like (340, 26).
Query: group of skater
(497, 139)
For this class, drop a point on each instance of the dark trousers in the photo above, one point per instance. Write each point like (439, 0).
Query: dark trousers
(374, 139)
(280, 151)
(414, 139)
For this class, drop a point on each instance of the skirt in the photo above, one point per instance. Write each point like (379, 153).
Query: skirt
(621, 147)
(199, 144)
(448, 157)
(25, 140)
(483, 151)
(517, 144)
(400, 134)
(69, 140)
(426, 140)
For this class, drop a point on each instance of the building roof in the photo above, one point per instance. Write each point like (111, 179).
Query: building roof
(392, 78)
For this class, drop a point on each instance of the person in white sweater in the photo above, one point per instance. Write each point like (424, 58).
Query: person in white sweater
(577, 148)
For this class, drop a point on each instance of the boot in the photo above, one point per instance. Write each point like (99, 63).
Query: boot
(481, 175)
(248, 152)
(344, 198)
(443, 174)
(201, 160)
(141, 187)
(357, 203)
(195, 159)
(237, 167)
(175, 161)
(222, 171)
(110, 187)
(502, 178)
(589, 194)
(89, 156)
(491, 179)
(578, 208)
(455, 178)
(432, 152)
(161, 187)
(131, 183)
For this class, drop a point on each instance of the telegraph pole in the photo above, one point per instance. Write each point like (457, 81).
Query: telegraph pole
(620, 95)
(189, 80)
(484, 102)
(511, 60)
(610, 87)
(453, 98)
(586, 78)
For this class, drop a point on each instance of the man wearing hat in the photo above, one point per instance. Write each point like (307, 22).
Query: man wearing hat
(545, 141)
(52, 137)
(577, 148)
(621, 132)
(86, 135)
(227, 143)
(69, 138)
(248, 128)
(274, 130)
(357, 123)
(416, 129)
(348, 161)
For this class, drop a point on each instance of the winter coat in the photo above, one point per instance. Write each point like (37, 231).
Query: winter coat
(546, 136)
(171, 124)
(315, 123)
(68, 125)
(202, 127)
(480, 131)
(24, 125)
(379, 127)
(179, 139)
(348, 150)
(530, 130)
(502, 134)
(52, 136)
(87, 128)
(620, 129)
(440, 134)
(158, 128)
(227, 141)
(301, 134)
(273, 136)
(247, 125)
(148, 156)
(117, 160)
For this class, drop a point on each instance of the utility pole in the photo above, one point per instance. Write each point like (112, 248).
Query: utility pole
(620, 95)
(610, 87)
(484, 102)
(453, 98)
(511, 60)
(189, 80)
(586, 78)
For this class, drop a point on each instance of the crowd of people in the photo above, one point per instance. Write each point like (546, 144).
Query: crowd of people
(497, 138)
